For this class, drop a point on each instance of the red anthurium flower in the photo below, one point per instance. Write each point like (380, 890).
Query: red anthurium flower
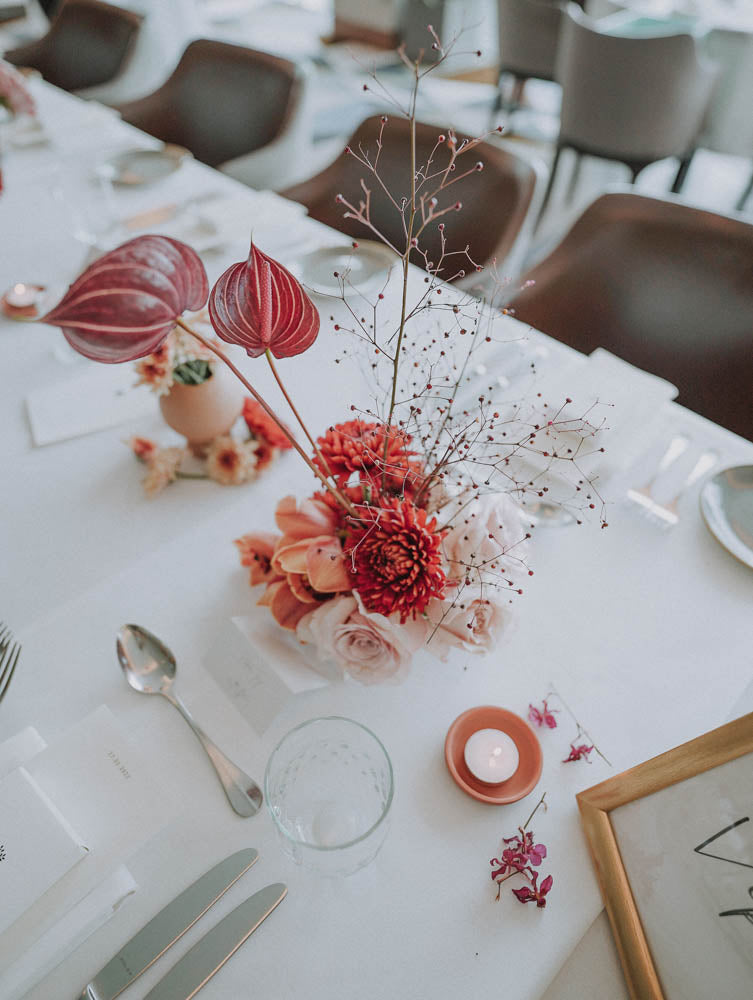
(260, 306)
(125, 304)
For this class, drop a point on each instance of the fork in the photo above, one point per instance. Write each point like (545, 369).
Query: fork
(642, 494)
(10, 650)
(667, 514)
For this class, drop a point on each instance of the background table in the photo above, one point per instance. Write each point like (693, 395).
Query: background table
(647, 635)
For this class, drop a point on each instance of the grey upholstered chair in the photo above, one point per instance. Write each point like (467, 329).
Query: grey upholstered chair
(528, 35)
(634, 99)
(663, 285)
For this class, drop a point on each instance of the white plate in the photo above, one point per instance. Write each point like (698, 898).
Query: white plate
(727, 508)
(135, 167)
(364, 269)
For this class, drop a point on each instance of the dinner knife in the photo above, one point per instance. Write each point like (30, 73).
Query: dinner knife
(167, 927)
(198, 965)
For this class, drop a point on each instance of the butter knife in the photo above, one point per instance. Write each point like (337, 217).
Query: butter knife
(207, 957)
(167, 927)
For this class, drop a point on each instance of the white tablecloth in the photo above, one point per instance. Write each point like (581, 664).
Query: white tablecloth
(647, 635)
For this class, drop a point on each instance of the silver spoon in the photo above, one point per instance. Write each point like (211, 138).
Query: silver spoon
(149, 667)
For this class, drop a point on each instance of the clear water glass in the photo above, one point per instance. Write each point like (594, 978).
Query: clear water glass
(329, 786)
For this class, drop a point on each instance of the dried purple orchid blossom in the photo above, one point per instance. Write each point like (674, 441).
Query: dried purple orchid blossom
(520, 855)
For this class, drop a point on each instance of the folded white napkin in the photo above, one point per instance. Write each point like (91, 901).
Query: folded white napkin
(67, 934)
(37, 845)
(29, 966)
(19, 748)
(102, 779)
(88, 399)
(601, 403)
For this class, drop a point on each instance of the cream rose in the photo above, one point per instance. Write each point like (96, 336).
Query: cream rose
(488, 530)
(472, 619)
(370, 647)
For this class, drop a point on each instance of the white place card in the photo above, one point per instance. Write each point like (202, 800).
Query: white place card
(258, 670)
(97, 397)
(37, 845)
(105, 782)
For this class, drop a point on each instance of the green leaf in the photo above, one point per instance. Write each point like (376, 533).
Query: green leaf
(192, 372)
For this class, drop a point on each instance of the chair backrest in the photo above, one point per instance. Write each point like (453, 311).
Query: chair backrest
(633, 97)
(528, 36)
(495, 200)
(87, 44)
(663, 285)
(220, 102)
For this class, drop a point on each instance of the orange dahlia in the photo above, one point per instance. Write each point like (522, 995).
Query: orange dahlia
(357, 446)
(394, 557)
(263, 426)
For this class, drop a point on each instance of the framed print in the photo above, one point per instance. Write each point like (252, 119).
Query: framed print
(672, 844)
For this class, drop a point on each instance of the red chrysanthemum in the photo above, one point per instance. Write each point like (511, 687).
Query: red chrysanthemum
(263, 426)
(357, 446)
(394, 557)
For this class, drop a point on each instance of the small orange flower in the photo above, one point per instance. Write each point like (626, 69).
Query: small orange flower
(263, 426)
(230, 462)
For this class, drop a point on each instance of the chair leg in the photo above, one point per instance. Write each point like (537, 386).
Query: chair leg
(574, 177)
(497, 105)
(550, 185)
(682, 172)
(745, 195)
(516, 97)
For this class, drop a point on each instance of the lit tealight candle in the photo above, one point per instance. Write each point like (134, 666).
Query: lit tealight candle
(491, 756)
(21, 296)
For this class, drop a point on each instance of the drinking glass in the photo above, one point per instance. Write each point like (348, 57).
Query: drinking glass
(329, 786)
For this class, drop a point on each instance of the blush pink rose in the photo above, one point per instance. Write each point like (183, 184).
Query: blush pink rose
(473, 620)
(370, 647)
(488, 530)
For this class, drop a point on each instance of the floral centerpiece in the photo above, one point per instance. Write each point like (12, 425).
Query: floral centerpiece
(412, 535)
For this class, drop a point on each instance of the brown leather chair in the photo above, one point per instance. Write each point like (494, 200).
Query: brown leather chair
(221, 101)
(88, 44)
(495, 200)
(664, 286)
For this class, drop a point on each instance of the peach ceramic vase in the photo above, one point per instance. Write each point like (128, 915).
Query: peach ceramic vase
(202, 412)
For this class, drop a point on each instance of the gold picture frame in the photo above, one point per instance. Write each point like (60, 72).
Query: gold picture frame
(727, 743)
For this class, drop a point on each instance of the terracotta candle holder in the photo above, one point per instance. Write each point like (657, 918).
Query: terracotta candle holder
(530, 763)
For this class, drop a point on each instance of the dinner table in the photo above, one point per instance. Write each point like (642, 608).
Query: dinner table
(645, 633)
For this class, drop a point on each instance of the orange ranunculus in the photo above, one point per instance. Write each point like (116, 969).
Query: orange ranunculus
(256, 551)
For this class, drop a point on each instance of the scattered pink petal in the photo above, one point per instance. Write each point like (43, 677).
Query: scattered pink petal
(580, 752)
(543, 716)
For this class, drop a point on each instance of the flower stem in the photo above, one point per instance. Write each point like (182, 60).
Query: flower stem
(536, 809)
(406, 269)
(296, 414)
(342, 500)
